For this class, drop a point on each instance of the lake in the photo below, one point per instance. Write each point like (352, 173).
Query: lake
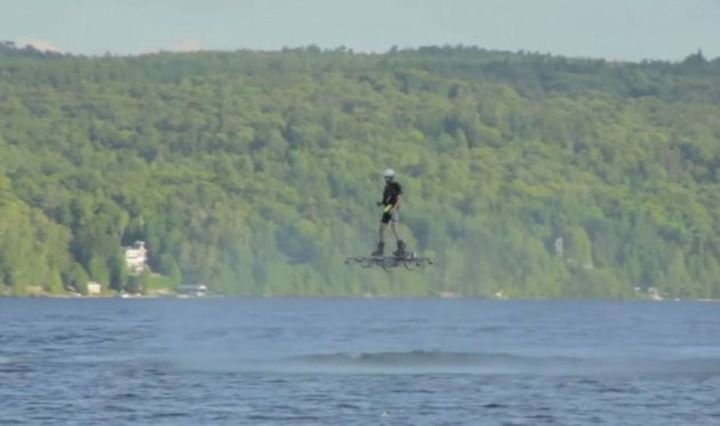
(364, 362)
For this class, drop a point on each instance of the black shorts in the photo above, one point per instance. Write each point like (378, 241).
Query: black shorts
(387, 217)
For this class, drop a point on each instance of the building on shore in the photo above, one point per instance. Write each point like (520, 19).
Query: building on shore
(136, 257)
(94, 288)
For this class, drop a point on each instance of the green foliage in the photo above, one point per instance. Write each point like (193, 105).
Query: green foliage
(257, 172)
(149, 283)
(33, 249)
(138, 284)
(76, 279)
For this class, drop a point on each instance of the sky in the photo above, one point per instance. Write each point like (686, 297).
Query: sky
(613, 29)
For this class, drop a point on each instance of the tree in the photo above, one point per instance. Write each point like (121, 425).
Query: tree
(256, 172)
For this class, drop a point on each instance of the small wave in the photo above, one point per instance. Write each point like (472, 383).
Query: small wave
(12, 365)
(427, 362)
(494, 364)
(415, 359)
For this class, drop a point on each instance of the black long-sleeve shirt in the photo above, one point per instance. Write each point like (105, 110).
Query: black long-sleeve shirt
(392, 192)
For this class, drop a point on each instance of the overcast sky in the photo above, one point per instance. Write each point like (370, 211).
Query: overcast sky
(612, 29)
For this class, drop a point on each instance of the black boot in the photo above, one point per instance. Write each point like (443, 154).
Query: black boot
(380, 250)
(400, 252)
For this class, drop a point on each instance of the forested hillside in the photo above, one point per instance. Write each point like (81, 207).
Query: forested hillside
(258, 172)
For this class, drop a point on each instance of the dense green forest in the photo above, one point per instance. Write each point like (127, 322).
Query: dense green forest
(258, 172)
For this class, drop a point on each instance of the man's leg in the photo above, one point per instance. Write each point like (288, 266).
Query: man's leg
(380, 250)
(395, 231)
(400, 252)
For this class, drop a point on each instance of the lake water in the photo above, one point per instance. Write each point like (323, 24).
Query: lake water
(364, 362)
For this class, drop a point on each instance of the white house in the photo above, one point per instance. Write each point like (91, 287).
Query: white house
(94, 288)
(136, 257)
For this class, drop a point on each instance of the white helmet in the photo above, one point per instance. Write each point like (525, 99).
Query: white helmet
(389, 173)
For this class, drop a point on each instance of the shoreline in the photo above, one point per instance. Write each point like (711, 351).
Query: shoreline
(335, 297)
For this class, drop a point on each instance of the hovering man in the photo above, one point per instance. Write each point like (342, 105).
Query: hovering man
(390, 203)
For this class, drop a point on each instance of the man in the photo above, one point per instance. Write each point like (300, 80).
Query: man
(391, 214)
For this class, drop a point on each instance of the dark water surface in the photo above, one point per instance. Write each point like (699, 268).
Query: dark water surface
(344, 362)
